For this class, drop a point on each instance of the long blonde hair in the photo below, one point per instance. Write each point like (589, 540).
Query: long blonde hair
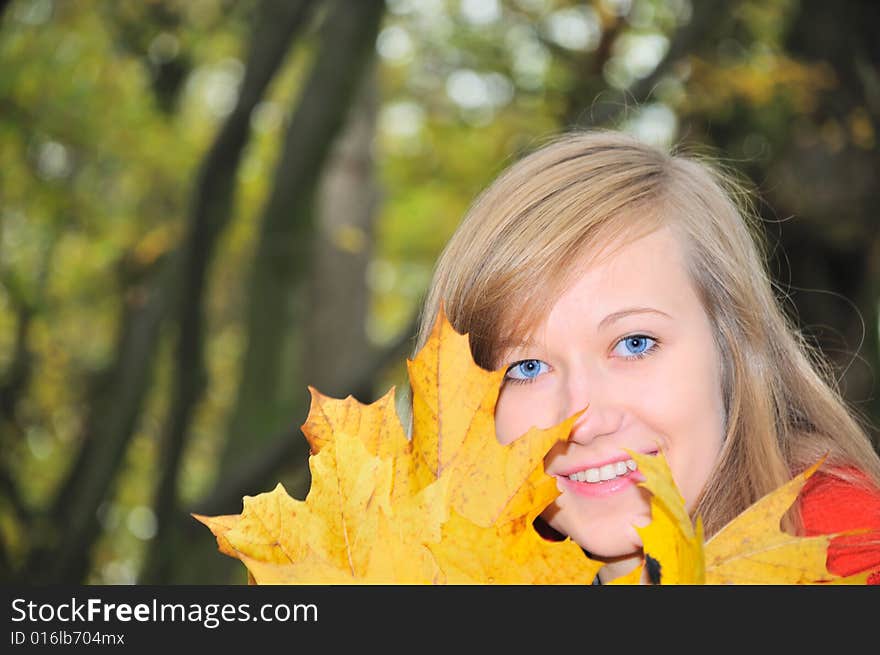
(514, 251)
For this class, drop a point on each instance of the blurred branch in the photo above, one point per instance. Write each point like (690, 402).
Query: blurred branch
(138, 29)
(6, 572)
(282, 269)
(9, 492)
(27, 303)
(107, 431)
(277, 23)
(284, 250)
(17, 375)
(9, 489)
(13, 386)
(337, 292)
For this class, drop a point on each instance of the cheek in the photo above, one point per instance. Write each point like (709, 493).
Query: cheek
(694, 427)
(518, 410)
(509, 418)
(686, 389)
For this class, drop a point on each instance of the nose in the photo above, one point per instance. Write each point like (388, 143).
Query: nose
(602, 416)
(597, 421)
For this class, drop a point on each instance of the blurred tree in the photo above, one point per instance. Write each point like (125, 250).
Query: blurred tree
(280, 270)
(178, 285)
(277, 23)
(53, 151)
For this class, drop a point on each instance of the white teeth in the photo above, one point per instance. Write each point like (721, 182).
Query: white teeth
(603, 473)
(607, 472)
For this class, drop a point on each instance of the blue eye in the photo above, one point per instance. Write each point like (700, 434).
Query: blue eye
(635, 345)
(526, 370)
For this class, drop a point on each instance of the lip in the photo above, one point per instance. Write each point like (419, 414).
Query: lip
(606, 487)
(622, 457)
(600, 489)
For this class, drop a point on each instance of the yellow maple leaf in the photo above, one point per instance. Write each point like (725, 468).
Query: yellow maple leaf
(751, 549)
(448, 505)
(670, 539)
(376, 425)
(341, 533)
(519, 555)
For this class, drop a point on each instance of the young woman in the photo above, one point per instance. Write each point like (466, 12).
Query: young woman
(606, 274)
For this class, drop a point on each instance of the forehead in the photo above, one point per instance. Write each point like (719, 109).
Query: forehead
(652, 263)
(643, 270)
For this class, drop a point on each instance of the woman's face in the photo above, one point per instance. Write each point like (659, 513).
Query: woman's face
(628, 340)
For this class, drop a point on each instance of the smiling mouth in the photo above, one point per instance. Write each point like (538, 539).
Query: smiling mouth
(605, 472)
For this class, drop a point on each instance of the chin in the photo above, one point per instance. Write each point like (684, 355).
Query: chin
(605, 543)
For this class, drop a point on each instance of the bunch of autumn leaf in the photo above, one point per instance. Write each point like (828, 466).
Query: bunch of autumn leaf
(451, 505)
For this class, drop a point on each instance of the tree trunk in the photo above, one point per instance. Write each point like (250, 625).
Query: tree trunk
(275, 321)
(213, 199)
(272, 389)
(346, 206)
(65, 533)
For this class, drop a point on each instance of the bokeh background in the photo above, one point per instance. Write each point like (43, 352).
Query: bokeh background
(208, 205)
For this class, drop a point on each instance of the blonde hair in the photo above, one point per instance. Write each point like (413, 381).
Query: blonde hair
(516, 249)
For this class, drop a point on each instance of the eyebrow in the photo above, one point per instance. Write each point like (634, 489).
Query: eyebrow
(623, 313)
(505, 344)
